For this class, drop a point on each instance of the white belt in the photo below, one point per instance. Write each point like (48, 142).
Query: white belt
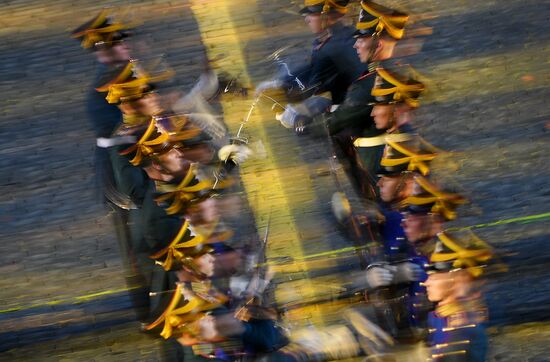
(381, 140)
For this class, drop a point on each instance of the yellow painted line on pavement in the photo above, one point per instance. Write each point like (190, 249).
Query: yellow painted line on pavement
(68, 300)
(225, 25)
(308, 262)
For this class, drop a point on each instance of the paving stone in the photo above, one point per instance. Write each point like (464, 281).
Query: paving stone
(486, 62)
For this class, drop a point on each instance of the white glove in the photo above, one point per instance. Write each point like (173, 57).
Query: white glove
(341, 207)
(267, 84)
(288, 117)
(379, 277)
(236, 153)
(209, 123)
(207, 85)
(238, 284)
(205, 88)
(407, 272)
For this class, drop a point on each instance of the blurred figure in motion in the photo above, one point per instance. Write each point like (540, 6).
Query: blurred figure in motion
(395, 94)
(106, 39)
(333, 65)
(378, 30)
(457, 331)
(158, 157)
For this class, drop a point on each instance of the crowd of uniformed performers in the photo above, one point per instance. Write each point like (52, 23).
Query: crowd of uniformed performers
(168, 171)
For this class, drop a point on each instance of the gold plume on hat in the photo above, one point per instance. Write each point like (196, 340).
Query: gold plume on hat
(464, 257)
(327, 5)
(184, 193)
(175, 251)
(393, 24)
(145, 146)
(444, 203)
(94, 34)
(416, 161)
(132, 83)
(176, 318)
(401, 91)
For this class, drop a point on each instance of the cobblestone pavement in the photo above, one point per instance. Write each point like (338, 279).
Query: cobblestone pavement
(487, 67)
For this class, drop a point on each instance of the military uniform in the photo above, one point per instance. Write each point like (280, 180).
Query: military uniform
(104, 117)
(334, 63)
(354, 112)
(101, 31)
(353, 118)
(457, 326)
(333, 67)
(99, 34)
(459, 335)
(387, 91)
(356, 108)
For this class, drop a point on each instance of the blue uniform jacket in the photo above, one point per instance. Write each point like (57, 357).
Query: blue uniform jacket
(457, 338)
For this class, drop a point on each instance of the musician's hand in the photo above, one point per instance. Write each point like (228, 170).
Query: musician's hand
(407, 272)
(379, 277)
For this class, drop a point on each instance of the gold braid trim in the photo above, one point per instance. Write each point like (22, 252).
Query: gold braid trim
(174, 194)
(133, 88)
(126, 72)
(93, 36)
(183, 194)
(401, 91)
(332, 4)
(100, 19)
(97, 22)
(416, 161)
(431, 147)
(463, 258)
(172, 316)
(393, 24)
(145, 147)
(327, 5)
(173, 251)
(90, 35)
(444, 202)
(132, 120)
(141, 147)
(174, 241)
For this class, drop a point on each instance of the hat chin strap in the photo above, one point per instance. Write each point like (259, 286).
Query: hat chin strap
(402, 183)
(393, 120)
(429, 232)
(373, 46)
